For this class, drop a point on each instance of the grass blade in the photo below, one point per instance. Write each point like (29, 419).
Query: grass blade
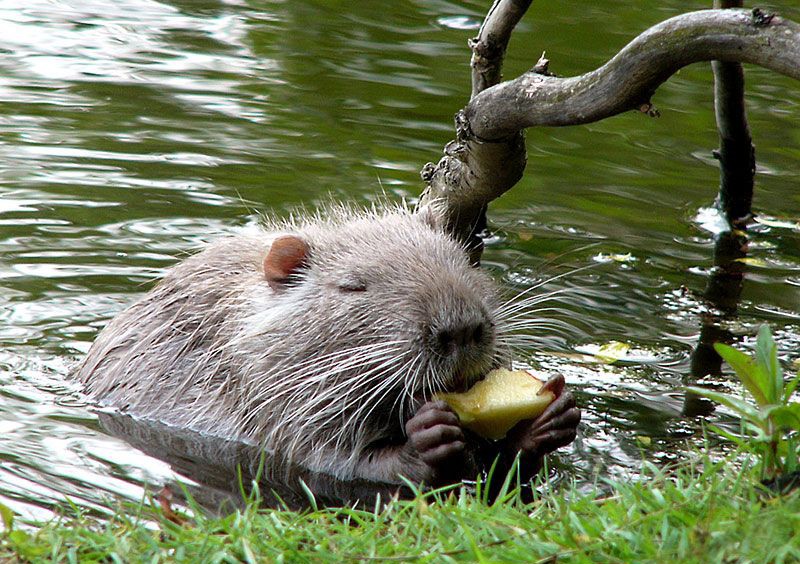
(791, 387)
(767, 361)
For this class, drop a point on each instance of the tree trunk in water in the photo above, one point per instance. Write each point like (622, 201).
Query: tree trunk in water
(736, 154)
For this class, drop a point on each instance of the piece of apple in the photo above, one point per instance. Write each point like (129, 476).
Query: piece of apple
(498, 402)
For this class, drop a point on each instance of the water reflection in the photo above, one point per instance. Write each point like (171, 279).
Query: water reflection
(222, 472)
(51, 453)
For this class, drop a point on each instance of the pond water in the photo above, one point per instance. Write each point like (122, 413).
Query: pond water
(135, 130)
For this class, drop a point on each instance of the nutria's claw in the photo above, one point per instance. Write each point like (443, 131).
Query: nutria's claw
(554, 428)
(436, 440)
(555, 384)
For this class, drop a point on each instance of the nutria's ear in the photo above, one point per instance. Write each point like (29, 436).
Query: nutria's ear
(287, 256)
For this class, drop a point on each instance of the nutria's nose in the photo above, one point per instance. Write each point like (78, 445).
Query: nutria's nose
(459, 337)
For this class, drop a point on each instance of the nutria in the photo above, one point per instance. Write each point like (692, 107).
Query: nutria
(322, 339)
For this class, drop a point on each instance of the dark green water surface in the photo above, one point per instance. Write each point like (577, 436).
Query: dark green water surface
(131, 131)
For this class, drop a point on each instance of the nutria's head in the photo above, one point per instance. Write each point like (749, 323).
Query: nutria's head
(393, 290)
(365, 315)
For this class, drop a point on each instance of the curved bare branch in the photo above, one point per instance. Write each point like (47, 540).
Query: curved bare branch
(630, 78)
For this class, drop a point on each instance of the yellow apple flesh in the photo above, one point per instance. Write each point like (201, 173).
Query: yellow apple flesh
(498, 402)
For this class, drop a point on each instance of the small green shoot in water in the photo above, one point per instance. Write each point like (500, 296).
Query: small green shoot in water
(771, 427)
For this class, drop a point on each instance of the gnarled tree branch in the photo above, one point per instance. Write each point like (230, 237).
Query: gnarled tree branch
(461, 177)
(629, 79)
(488, 157)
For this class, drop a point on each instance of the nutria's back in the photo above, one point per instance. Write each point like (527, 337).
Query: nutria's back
(312, 338)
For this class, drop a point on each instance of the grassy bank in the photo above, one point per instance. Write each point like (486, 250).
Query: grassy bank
(708, 513)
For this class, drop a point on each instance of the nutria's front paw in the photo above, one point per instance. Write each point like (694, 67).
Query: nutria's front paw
(437, 444)
(556, 427)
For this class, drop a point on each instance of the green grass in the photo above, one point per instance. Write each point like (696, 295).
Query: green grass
(708, 513)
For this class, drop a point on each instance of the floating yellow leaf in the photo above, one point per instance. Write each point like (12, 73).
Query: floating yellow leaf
(606, 354)
(752, 261)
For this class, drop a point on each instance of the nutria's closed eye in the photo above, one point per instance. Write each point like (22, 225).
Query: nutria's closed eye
(353, 286)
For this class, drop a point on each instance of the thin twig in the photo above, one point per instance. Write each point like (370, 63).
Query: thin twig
(489, 47)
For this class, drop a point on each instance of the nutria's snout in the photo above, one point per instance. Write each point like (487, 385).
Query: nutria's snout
(450, 339)
(464, 349)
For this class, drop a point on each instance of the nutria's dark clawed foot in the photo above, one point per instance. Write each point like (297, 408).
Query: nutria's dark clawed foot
(437, 444)
(556, 427)
(438, 451)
